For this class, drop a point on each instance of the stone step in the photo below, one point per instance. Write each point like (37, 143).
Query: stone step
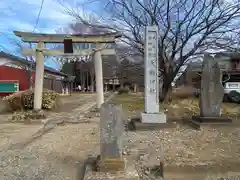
(137, 125)
(217, 119)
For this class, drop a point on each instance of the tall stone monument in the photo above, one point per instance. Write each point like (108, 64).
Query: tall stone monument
(151, 114)
(212, 90)
(211, 93)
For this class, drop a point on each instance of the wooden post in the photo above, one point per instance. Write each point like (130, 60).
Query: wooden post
(87, 80)
(39, 78)
(84, 83)
(81, 75)
(99, 78)
(63, 89)
(114, 86)
(92, 81)
(71, 87)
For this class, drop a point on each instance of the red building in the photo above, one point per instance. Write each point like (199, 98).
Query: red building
(16, 69)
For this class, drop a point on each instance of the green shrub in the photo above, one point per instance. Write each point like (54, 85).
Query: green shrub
(25, 99)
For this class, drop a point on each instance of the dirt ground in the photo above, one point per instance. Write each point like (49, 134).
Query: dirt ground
(60, 153)
(186, 153)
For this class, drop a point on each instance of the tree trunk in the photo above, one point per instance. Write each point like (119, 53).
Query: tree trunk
(121, 82)
(84, 81)
(81, 80)
(106, 88)
(87, 80)
(165, 95)
(70, 88)
(92, 82)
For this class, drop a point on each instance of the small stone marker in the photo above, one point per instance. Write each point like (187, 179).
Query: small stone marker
(212, 92)
(111, 131)
(111, 165)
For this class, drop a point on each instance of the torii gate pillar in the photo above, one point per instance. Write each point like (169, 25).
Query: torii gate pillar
(39, 76)
(99, 77)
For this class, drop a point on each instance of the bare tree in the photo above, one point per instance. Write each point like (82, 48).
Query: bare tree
(131, 66)
(187, 28)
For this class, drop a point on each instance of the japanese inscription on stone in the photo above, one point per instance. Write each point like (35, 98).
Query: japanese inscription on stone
(111, 130)
(151, 70)
(212, 91)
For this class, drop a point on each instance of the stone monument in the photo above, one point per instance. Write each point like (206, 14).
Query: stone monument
(111, 164)
(211, 93)
(151, 114)
(111, 131)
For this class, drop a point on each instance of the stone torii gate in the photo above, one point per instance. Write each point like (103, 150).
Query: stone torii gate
(40, 51)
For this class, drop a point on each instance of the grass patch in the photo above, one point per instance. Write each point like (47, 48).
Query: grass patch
(130, 102)
(183, 108)
(177, 109)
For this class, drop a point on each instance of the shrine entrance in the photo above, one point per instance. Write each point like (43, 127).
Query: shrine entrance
(100, 42)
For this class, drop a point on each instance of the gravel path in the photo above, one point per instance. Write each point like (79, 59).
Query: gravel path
(184, 150)
(58, 154)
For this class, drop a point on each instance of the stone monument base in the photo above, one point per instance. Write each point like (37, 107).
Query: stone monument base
(217, 119)
(149, 122)
(197, 121)
(136, 124)
(157, 118)
(111, 165)
(111, 173)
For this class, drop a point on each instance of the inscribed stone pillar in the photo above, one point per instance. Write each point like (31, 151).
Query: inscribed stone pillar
(111, 132)
(212, 90)
(111, 128)
(151, 71)
(151, 80)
